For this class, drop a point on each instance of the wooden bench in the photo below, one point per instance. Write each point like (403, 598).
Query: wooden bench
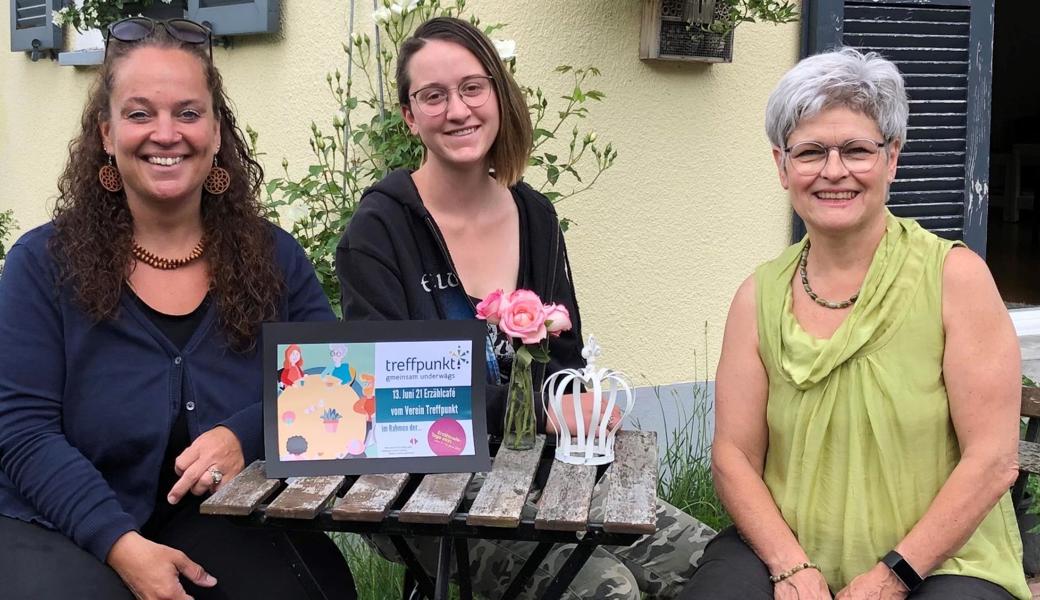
(1029, 446)
(1028, 456)
(402, 505)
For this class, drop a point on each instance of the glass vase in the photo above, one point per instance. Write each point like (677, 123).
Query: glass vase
(519, 430)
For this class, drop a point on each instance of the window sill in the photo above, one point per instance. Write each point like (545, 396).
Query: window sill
(82, 58)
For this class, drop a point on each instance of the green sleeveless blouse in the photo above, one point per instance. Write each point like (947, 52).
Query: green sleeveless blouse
(860, 437)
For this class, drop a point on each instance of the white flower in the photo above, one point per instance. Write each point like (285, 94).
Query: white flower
(506, 49)
(381, 15)
(58, 16)
(290, 214)
(401, 8)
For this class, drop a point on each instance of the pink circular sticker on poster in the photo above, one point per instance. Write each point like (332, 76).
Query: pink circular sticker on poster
(446, 437)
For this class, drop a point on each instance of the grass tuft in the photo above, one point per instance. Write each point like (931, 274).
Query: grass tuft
(685, 480)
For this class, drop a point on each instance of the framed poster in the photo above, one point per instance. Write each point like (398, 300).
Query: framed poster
(374, 397)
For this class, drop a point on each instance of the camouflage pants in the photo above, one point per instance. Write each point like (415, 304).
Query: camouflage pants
(657, 565)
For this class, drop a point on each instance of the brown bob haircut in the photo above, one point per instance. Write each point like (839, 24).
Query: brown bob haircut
(512, 147)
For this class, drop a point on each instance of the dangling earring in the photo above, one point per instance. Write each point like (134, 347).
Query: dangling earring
(109, 177)
(218, 180)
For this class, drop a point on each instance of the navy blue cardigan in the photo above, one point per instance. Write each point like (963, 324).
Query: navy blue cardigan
(86, 408)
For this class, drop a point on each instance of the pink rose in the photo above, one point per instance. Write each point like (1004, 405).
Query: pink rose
(488, 308)
(557, 319)
(523, 316)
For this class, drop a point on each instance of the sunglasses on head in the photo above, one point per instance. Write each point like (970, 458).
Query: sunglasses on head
(135, 29)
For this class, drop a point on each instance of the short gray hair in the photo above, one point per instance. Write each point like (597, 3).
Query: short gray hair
(846, 77)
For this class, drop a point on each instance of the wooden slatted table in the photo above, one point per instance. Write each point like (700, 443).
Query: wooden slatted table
(402, 505)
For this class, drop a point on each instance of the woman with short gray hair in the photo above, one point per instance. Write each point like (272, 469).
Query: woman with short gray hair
(867, 394)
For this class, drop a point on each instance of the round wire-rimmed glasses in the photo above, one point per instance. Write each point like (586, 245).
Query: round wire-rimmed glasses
(135, 29)
(858, 156)
(474, 91)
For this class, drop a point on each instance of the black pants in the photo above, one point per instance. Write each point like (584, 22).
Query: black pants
(730, 570)
(40, 564)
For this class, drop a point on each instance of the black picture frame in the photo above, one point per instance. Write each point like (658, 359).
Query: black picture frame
(464, 332)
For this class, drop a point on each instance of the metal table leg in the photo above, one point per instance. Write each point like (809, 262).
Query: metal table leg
(530, 566)
(413, 566)
(462, 566)
(569, 571)
(443, 569)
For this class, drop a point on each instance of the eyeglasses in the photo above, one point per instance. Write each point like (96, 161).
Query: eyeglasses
(858, 156)
(474, 91)
(135, 29)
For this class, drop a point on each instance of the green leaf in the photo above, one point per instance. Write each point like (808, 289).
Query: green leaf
(550, 157)
(553, 174)
(523, 355)
(538, 353)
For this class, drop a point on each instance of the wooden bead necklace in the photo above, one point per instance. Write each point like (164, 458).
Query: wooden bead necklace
(808, 290)
(167, 264)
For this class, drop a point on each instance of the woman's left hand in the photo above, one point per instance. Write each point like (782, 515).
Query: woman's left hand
(879, 583)
(217, 449)
(586, 409)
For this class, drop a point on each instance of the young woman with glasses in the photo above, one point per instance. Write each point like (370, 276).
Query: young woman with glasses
(130, 380)
(430, 244)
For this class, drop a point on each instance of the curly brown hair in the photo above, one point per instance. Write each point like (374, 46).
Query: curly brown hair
(94, 227)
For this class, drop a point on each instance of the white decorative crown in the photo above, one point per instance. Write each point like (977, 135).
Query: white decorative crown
(609, 390)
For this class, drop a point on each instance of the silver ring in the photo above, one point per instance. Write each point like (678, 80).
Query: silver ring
(216, 475)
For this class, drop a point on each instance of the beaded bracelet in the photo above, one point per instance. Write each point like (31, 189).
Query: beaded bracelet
(792, 571)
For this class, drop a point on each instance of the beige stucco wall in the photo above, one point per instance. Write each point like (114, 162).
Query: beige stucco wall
(661, 242)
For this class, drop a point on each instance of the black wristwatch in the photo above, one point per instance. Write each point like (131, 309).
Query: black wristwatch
(902, 569)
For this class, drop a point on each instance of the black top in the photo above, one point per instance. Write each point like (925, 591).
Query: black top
(178, 329)
(393, 264)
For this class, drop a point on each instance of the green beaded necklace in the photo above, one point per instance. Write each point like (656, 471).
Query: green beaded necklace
(808, 290)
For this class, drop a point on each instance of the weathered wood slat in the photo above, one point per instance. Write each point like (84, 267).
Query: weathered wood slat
(566, 498)
(304, 497)
(436, 498)
(930, 184)
(868, 25)
(908, 36)
(631, 503)
(505, 490)
(881, 12)
(932, 159)
(1030, 402)
(927, 210)
(932, 145)
(370, 498)
(927, 196)
(243, 493)
(1029, 457)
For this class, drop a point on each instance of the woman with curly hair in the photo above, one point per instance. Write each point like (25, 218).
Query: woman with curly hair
(130, 380)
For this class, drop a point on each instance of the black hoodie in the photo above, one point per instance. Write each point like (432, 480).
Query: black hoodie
(393, 264)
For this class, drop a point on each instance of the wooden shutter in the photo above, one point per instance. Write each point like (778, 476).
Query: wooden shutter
(32, 27)
(236, 17)
(944, 50)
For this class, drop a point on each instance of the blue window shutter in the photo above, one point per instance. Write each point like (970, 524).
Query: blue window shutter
(944, 49)
(236, 17)
(32, 27)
